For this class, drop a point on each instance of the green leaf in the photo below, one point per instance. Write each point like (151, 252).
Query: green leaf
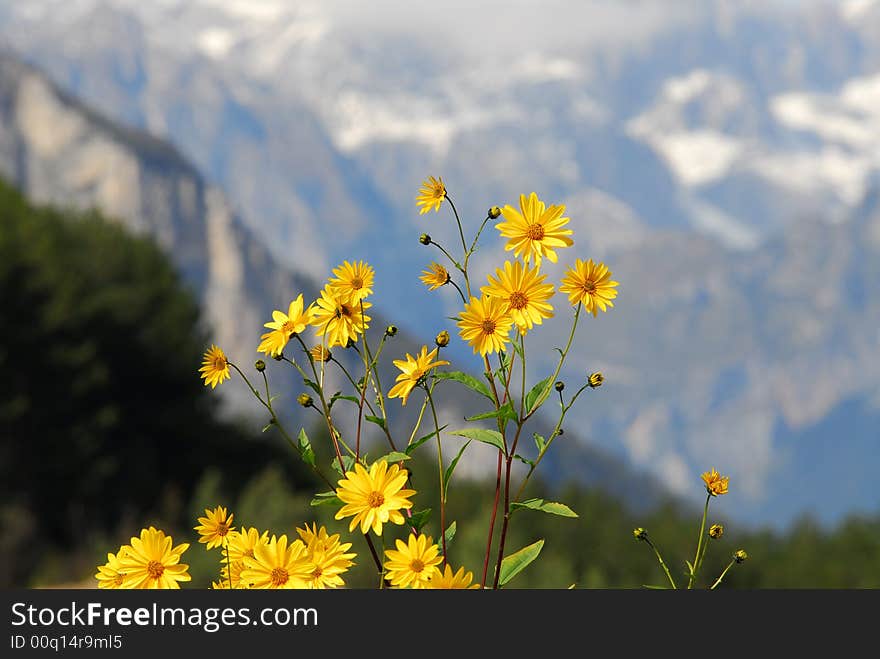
(531, 463)
(535, 394)
(492, 437)
(267, 426)
(551, 507)
(312, 385)
(379, 421)
(690, 568)
(506, 411)
(339, 396)
(448, 473)
(394, 456)
(305, 447)
(540, 442)
(517, 562)
(467, 380)
(419, 518)
(649, 587)
(323, 498)
(421, 440)
(347, 460)
(449, 534)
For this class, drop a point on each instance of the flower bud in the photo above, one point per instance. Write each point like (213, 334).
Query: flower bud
(494, 212)
(596, 379)
(391, 330)
(442, 339)
(425, 239)
(740, 555)
(305, 400)
(640, 533)
(320, 353)
(716, 531)
(278, 357)
(260, 365)
(561, 431)
(559, 386)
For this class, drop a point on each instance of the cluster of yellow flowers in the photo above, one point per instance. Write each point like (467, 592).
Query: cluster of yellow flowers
(516, 296)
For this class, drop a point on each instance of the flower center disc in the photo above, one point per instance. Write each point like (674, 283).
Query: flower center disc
(375, 499)
(518, 300)
(535, 231)
(488, 326)
(357, 283)
(155, 569)
(222, 529)
(287, 327)
(416, 565)
(589, 286)
(279, 576)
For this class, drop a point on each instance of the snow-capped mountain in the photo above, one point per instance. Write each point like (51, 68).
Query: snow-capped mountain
(714, 153)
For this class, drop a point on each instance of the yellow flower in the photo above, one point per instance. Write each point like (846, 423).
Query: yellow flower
(595, 379)
(320, 353)
(109, 575)
(215, 367)
(150, 561)
(435, 276)
(233, 571)
(284, 326)
(413, 563)
(220, 585)
(431, 194)
(374, 497)
(215, 527)
(337, 320)
(242, 543)
(590, 284)
(460, 580)
(414, 369)
(716, 531)
(534, 230)
(328, 556)
(276, 564)
(523, 289)
(353, 281)
(485, 324)
(715, 483)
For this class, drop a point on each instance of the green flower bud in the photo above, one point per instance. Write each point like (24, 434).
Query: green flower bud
(425, 239)
(260, 365)
(305, 400)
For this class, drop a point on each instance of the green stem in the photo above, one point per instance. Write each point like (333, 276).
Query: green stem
(693, 575)
(440, 472)
(662, 564)
(721, 576)
(562, 357)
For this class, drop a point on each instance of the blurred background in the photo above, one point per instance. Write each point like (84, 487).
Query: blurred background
(174, 170)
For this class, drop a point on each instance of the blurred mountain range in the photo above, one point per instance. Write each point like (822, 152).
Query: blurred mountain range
(722, 157)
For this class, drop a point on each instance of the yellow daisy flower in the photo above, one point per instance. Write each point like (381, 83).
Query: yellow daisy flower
(435, 276)
(109, 575)
(215, 367)
(414, 369)
(232, 572)
(353, 281)
(374, 497)
(525, 291)
(715, 483)
(485, 324)
(431, 195)
(214, 528)
(534, 230)
(278, 565)
(589, 283)
(460, 580)
(414, 563)
(151, 562)
(328, 556)
(284, 326)
(336, 320)
(220, 585)
(242, 543)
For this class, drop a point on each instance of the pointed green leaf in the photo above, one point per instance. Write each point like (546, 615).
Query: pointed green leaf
(419, 518)
(338, 396)
(492, 437)
(267, 426)
(421, 440)
(531, 463)
(517, 562)
(305, 447)
(347, 461)
(323, 498)
(540, 442)
(312, 385)
(551, 507)
(506, 411)
(448, 473)
(449, 534)
(467, 380)
(534, 395)
(379, 421)
(394, 456)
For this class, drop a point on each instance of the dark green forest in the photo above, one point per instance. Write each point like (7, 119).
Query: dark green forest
(105, 427)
